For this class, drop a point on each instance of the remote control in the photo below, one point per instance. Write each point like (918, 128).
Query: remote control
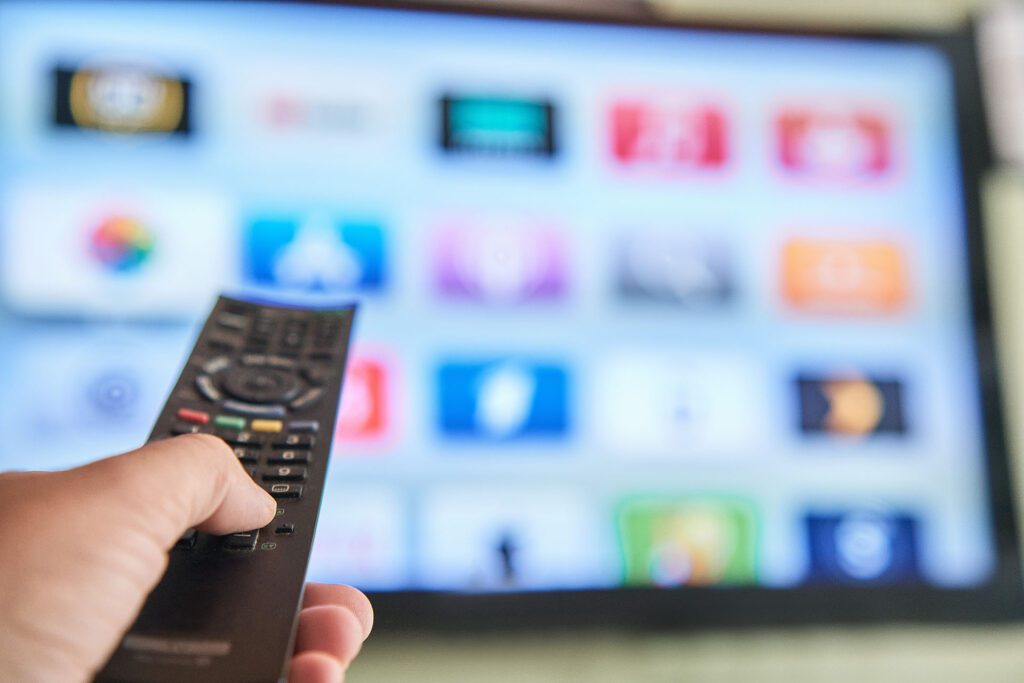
(267, 380)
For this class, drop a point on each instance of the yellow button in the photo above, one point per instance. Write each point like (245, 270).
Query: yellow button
(266, 425)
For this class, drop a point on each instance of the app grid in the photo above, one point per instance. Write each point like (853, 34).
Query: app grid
(639, 307)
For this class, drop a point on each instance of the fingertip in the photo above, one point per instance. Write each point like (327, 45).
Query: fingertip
(346, 596)
(315, 667)
(330, 629)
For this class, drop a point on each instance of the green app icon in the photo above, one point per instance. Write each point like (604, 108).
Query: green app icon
(693, 540)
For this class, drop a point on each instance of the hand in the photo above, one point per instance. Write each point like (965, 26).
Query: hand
(83, 548)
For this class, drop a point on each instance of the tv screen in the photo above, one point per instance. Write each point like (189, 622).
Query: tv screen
(641, 306)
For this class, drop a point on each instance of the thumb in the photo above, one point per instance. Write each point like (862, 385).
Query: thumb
(176, 484)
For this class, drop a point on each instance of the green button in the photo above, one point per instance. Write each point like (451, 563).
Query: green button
(229, 422)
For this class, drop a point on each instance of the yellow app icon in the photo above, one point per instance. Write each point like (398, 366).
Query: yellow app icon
(122, 99)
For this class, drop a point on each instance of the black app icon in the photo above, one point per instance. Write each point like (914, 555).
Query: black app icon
(850, 405)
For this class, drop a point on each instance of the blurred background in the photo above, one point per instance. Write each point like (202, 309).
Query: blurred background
(640, 309)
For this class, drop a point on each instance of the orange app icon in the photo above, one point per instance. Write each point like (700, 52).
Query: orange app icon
(844, 276)
(364, 406)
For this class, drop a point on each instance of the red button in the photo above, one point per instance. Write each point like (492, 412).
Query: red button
(194, 416)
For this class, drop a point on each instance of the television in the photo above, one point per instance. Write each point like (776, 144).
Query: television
(660, 325)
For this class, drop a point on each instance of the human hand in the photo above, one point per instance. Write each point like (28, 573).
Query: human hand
(66, 600)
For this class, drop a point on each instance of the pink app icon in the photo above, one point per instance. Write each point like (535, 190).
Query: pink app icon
(850, 144)
(365, 415)
(500, 262)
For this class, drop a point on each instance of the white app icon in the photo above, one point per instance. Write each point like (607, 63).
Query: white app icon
(505, 399)
(506, 538)
(361, 538)
(115, 251)
(670, 404)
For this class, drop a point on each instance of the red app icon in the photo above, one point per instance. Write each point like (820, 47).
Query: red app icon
(364, 413)
(836, 145)
(679, 137)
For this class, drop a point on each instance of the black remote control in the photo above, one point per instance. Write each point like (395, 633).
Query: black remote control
(267, 380)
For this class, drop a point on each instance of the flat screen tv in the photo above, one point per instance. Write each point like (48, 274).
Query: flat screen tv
(660, 325)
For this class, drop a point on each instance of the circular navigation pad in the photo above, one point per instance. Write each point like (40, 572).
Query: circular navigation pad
(261, 385)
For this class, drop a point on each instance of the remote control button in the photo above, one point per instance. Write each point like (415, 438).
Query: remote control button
(308, 399)
(292, 341)
(187, 540)
(265, 325)
(182, 428)
(207, 388)
(257, 344)
(289, 458)
(325, 356)
(255, 410)
(281, 362)
(295, 441)
(194, 416)
(285, 529)
(246, 456)
(221, 343)
(230, 422)
(215, 365)
(285, 473)
(232, 321)
(243, 540)
(254, 360)
(317, 374)
(285, 491)
(236, 308)
(304, 426)
(242, 438)
(262, 385)
(267, 425)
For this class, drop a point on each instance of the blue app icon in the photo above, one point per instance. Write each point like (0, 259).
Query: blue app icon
(503, 400)
(318, 253)
(862, 547)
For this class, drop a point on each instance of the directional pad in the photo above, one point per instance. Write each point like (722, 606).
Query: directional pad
(261, 385)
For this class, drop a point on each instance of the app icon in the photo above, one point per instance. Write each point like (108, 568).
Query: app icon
(318, 253)
(121, 243)
(675, 269)
(500, 263)
(503, 400)
(862, 547)
(833, 145)
(668, 136)
(482, 538)
(85, 394)
(365, 413)
(650, 403)
(498, 126)
(122, 98)
(850, 405)
(843, 276)
(361, 538)
(689, 541)
(105, 251)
